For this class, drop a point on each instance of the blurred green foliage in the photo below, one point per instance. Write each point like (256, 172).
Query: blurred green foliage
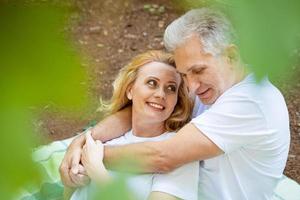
(38, 66)
(268, 34)
(115, 190)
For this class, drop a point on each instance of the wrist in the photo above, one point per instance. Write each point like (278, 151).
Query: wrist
(102, 175)
(80, 139)
(96, 170)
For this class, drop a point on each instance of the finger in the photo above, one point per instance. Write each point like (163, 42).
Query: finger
(88, 135)
(99, 144)
(84, 152)
(83, 159)
(77, 179)
(82, 170)
(75, 162)
(82, 180)
(64, 175)
(89, 139)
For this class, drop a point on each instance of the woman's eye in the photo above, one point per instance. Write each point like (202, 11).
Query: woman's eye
(152, 83)
(171, 88)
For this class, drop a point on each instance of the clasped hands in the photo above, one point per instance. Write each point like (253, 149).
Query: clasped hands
(83, 161)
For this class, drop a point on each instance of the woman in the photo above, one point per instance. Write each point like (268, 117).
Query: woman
(160, 105)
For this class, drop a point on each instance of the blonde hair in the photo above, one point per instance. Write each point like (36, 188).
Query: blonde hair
(127, 76)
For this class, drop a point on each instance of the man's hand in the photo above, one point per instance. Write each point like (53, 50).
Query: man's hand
(81, 178)
(71, 172)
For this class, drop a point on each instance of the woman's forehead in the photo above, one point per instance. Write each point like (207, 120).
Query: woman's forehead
(159, 70)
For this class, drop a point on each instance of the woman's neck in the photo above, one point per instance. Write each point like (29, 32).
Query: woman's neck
(141, 128)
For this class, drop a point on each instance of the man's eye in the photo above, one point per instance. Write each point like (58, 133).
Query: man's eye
(152, 83)
(198, 71)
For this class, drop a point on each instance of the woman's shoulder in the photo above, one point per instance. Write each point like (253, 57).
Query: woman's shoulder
(124, 139)
(129, 137)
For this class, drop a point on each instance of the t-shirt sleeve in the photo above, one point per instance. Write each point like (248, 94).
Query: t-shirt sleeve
(233, 122)
(181, 182)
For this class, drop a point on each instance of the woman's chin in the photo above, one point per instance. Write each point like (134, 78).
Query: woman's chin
(154, 118)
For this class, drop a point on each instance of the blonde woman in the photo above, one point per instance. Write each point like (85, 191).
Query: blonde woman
(150, 86)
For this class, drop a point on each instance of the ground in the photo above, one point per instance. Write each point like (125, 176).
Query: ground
(109, 33)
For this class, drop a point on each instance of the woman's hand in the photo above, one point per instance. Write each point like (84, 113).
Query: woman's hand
(92, 159)
(70, 169)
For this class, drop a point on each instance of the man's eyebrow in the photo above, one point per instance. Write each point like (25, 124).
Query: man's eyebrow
(198, 66)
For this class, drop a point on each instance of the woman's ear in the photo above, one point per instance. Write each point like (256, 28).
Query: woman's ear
(129, 92)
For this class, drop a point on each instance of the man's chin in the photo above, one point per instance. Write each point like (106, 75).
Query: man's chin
(207, 101)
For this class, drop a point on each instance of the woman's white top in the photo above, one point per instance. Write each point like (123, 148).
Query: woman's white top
(181, 182)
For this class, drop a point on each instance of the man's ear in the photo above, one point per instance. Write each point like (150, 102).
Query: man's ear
(232, 53)
(129, 92)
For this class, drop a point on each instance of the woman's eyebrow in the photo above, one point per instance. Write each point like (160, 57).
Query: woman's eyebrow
(154, 77)
(172, 81)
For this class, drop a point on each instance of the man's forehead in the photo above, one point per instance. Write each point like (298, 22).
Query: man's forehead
(189, 68)
(187, 62)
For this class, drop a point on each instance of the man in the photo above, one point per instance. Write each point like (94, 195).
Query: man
(240, 130)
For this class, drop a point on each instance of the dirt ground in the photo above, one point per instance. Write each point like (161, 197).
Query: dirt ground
(109, 33)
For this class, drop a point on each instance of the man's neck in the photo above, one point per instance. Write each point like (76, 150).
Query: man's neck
(240, 73)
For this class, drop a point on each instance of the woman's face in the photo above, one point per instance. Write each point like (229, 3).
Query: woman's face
(155, 91)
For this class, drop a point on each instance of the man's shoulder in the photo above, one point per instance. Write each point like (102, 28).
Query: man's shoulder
(251, 89)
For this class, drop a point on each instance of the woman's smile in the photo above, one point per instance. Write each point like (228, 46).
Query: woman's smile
(156, 106)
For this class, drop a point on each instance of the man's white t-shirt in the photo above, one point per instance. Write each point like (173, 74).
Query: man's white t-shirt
(250, 123)
(181, 182)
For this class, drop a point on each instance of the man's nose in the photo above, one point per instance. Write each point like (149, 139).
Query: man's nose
(193, 84)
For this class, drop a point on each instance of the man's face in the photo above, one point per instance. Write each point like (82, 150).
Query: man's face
(207, 76)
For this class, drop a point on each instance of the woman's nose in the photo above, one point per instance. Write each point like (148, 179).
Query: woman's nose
(160, 93)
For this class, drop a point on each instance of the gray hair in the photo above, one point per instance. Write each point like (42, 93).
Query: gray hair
(212, 27)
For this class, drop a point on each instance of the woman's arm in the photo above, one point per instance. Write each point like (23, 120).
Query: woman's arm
(111, 127)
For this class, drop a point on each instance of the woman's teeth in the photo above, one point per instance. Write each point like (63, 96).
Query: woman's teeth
(156, 106)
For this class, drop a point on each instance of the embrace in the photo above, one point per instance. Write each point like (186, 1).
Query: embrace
(195, 118)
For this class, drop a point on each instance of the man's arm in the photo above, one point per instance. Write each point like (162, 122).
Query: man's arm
(161, 196)
(111, 127)
(189, 144)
